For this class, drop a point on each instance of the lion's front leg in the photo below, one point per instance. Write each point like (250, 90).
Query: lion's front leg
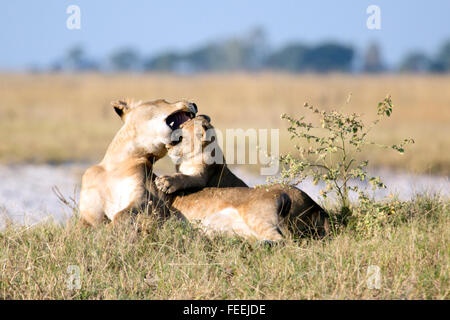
(179, 181)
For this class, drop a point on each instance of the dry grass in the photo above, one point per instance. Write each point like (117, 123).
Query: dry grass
(62, 118)
(175, 261)
(68, 117)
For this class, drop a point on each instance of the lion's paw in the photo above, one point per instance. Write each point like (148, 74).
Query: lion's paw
(166, 184)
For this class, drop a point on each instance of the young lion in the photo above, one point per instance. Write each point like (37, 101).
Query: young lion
(195, 156)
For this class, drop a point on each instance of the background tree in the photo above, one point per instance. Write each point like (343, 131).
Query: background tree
(329, 57)
(442, 62)
(251, 52)
(416, 62)
(165, 62)
(290, 58)
(125, 60)
(75, 59)
(372, 59)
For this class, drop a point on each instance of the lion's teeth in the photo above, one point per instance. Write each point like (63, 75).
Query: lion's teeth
(171, 124)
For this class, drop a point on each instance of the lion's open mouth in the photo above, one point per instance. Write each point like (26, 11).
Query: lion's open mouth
(176, 119)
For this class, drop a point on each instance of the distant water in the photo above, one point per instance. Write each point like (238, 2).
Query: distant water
(26, 195)
(401, 184)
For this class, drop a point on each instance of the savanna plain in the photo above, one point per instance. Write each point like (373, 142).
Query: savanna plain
(54, 118)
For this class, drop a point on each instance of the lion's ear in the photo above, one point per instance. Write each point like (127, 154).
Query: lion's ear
(206, 121)
(206, 125)
(205, 117)
(121, 107)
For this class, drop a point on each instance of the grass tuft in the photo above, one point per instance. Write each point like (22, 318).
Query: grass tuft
(174, 260)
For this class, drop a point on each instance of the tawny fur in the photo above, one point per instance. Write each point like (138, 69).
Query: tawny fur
(117, 184)
(196, 170)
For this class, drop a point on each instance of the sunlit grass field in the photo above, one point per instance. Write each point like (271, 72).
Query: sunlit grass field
(58, 118)
(146, 260)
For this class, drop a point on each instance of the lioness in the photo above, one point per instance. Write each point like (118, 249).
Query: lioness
(124, 181)
(197, 169)
(117, 184)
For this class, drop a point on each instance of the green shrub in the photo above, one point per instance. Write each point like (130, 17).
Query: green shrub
(330, 156)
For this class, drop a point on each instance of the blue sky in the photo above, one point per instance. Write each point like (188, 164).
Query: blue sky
(35, 33)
